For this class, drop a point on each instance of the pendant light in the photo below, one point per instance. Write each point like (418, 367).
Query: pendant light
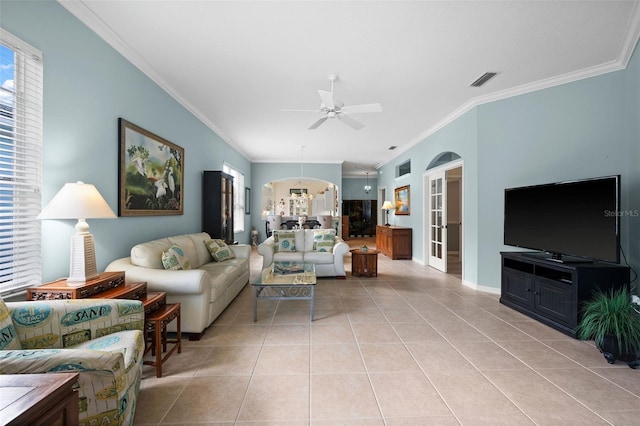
(367, 187)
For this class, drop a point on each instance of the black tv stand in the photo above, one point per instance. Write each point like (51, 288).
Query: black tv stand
(557, 257)
(553, 292)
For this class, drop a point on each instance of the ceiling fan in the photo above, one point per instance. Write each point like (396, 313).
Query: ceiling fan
(333, 108)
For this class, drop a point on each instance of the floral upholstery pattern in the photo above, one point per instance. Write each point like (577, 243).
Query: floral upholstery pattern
(101, 339)
(219, 250)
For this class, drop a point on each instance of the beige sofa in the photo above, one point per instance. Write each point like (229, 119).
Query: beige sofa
(203, 291)
(329, 263)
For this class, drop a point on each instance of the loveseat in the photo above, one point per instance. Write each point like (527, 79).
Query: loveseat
(100, 339)
(319, 246)
(204, 287)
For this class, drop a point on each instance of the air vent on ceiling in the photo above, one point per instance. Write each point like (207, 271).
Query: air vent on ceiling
(483, 79)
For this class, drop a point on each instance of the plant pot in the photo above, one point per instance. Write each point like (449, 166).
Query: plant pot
(609, 349)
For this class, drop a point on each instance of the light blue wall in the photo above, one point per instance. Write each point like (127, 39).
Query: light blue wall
(263, 173)
(87, 86)
(353, 189)
(458, 137)
(573, 131)
(583, 129)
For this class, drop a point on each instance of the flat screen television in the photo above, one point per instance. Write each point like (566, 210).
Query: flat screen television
(566, 221)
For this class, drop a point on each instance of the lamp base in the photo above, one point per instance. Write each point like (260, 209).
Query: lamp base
(82, 265)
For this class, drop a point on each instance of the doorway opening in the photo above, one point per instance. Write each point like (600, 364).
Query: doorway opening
(443, 219)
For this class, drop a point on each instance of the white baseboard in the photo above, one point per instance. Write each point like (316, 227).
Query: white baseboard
(484, 289)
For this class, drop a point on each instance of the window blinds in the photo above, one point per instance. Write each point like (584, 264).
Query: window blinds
(238, 197)
(20, 164)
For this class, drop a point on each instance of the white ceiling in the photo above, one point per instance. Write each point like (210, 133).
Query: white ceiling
(237, 64)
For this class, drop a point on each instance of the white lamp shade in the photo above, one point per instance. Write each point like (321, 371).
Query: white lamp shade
(387, 205)
(77, 201)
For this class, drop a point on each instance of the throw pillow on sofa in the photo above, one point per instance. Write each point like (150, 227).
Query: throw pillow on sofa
(174, 259)
(324, 240)
(8, 334)
(284, 241)
(219, 250)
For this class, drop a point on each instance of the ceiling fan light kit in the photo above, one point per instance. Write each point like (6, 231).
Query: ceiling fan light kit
(333, 108)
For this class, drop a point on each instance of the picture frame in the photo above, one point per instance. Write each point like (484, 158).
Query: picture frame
(402, 198)
(297, 191)
(247, 200)
(150, 175)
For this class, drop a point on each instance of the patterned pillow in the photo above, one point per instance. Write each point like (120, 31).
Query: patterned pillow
(8, 334)
(323, 240)
(219, 250)
(174, 259)
(284, 241)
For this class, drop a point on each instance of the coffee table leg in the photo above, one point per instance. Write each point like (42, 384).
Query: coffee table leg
(255, 304)
(313, 299)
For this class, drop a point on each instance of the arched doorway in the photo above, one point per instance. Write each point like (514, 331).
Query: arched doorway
(443, 218)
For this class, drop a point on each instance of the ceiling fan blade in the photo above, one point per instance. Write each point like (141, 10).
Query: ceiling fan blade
(354, 124)
(317, 123)
(358, 109)
(300, 110)
(327, 99)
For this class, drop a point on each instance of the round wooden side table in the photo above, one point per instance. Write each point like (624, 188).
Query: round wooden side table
(364, 263)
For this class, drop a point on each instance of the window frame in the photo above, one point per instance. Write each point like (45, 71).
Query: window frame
(21, 170)
(238, 196)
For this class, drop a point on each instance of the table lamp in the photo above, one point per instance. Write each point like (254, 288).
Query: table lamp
(386, 206)
(79, 201)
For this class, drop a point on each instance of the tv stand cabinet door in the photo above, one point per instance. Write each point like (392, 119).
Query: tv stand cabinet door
(517, 287)
(555, 301)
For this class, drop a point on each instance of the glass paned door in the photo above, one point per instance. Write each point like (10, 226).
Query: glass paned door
(437, 221)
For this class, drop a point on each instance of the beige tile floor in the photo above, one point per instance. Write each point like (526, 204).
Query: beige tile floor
(410, 347)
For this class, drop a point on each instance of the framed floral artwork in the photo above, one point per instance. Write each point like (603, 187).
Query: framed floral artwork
(150, 179)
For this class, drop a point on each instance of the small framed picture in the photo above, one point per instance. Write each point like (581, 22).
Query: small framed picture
(247, 200)
(403, 200)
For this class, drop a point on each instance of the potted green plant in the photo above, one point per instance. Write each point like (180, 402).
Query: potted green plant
(612, 321)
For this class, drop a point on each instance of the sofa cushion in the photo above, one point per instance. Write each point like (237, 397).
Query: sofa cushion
(285, 241)
(221, 276)
(174, 259)
(319, 257)
(308, 240)
(219, 250)
(8, 334)
(188, 248)
(324, 240)
(202, 253)
(149, 254)
(288, 256)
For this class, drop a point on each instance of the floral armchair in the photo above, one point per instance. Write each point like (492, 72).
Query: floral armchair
(101, 339)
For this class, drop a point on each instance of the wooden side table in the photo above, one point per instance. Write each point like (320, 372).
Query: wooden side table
(364, 263)
(39, 399)
(156, 334)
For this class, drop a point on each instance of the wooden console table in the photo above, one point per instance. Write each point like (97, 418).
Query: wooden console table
(394, 241)
(39, 399)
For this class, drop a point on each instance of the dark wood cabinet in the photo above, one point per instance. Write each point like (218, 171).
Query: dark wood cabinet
(553, 292)
(363, 215)
(217, 205)
(394, 241)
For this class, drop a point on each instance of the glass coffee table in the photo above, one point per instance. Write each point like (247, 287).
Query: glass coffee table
(285, 281)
